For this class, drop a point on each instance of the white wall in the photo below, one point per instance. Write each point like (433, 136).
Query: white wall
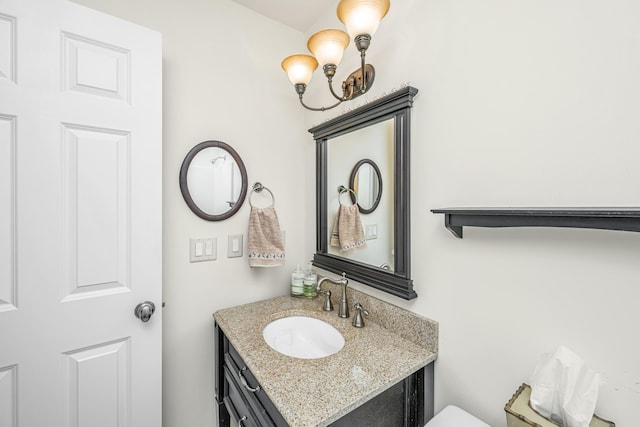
(222, 80)
(520, 104)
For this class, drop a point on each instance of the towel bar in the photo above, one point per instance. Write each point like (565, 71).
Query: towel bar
(342, 189)
(257, 188)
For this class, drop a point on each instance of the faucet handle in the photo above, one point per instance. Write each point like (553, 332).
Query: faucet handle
(358, 321)
(328, 306)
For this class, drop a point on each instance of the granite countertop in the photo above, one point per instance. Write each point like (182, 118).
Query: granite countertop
(316, 392)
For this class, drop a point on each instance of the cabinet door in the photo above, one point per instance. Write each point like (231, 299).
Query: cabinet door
(386, 409)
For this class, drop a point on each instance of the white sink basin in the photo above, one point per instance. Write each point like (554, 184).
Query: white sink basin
(303, 337)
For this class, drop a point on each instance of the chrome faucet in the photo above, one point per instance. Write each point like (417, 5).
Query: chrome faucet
(343, 310)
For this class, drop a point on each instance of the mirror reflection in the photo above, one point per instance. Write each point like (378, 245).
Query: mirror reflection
(344, 151)
(366, 183)
(213, 180)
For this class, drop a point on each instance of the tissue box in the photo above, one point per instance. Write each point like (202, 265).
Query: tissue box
(520, 414)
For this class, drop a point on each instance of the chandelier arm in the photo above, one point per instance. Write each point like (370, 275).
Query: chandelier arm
(335, 95)
(362, 42)
(318, 109)
(363, 86)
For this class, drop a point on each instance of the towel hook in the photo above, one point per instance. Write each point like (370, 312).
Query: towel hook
(342, 189)
(257, 188)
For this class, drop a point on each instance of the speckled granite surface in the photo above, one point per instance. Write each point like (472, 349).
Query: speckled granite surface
(393, 344)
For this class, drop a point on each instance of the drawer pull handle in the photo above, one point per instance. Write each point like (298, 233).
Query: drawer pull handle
(245, 384)
(241, 421)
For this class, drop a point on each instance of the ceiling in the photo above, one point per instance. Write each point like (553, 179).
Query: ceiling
(298, 14)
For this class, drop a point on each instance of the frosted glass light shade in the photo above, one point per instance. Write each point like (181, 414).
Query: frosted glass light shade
(362, 16)
(299, 68)
(328, 46)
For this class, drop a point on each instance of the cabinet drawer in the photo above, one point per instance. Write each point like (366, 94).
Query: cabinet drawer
(250, 389)
(272, 416)
(236, 404)
(233, 353)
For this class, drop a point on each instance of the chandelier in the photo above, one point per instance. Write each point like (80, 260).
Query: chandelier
(361, 17)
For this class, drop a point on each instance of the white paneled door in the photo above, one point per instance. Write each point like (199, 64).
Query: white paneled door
(80, 217)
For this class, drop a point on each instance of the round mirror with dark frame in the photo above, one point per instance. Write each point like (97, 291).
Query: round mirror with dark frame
(213, 180)
(366, 183)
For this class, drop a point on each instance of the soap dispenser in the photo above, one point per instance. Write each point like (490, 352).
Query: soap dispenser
(297, 279)
(310, 282)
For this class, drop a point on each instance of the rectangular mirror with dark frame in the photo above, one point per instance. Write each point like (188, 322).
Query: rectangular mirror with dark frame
(376, 134)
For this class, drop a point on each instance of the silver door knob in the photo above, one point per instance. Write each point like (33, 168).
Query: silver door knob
(144, 310)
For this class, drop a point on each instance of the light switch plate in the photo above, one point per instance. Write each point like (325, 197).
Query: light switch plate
(234, 246)
(203, 249)
(371, 231)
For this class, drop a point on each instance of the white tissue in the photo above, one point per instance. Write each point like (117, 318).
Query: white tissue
(563, 389)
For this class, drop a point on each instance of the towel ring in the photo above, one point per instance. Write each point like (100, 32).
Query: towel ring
(257, 188)
(341, 190)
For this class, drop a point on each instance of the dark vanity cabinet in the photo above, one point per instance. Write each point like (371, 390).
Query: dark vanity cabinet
(240, 397)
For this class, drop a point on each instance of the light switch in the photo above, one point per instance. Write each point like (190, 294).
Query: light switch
(204, 249)
(234, 246)
(371, 231)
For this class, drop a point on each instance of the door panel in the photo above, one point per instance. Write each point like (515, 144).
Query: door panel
(7, 213)
(8, 396)
(7, 46)
(105, 406)
(94, 67)
(80, 217)
(96, 184)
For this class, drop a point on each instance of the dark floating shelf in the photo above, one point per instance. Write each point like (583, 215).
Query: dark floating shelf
(622, 219)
